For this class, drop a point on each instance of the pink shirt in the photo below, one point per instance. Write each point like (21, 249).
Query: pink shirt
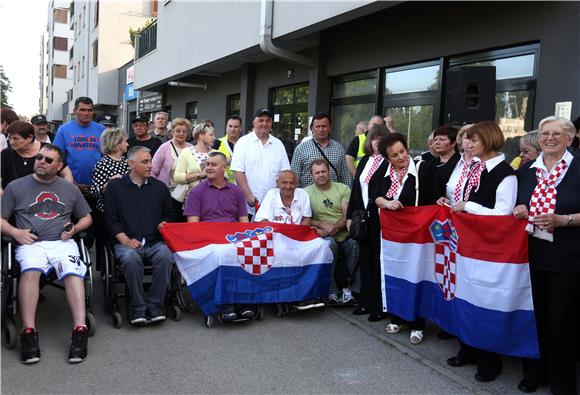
(164, 163)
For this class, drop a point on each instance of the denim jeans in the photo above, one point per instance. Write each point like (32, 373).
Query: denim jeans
(161, 260)
(349, 251)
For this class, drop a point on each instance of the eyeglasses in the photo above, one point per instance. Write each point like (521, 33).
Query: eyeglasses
(555, 135)
(47, 159)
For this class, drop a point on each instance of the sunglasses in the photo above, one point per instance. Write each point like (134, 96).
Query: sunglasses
(47, 159)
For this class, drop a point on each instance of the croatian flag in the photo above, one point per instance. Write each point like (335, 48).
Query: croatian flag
(249, 263)
(468, 274)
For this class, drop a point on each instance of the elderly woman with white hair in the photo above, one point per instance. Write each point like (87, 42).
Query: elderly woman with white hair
(529, 149)
(549, 199)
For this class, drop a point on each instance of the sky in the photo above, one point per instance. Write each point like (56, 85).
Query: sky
(22, 23)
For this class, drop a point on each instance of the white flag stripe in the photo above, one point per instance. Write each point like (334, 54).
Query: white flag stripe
(490, 285)
(196, 264)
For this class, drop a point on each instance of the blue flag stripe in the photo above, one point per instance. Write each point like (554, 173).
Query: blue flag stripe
(509, 333)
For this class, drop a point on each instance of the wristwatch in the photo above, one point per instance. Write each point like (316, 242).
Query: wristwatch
(569, 220)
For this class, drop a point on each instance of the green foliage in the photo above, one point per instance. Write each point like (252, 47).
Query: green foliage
(133, 33)
(5, 87)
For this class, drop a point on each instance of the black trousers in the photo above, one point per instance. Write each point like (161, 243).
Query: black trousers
(556, 299)
(416, 325)
(488, 363)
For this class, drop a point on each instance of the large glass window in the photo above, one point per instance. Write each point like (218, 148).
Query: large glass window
(354, 99)
(290, 108)
(514, 67)
(415, 123)
(232, 105)
(191, 112)
(412, 80)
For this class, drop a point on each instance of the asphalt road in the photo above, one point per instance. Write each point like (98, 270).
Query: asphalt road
(323, 351)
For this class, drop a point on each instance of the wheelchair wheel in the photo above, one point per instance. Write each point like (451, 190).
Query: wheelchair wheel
(259, 313)
(182, 295)
(175, 313)
(91, 323)
(9, 337)
(117, 319)
(209, 321)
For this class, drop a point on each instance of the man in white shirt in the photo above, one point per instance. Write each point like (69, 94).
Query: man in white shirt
(286, 204)
(258, 159)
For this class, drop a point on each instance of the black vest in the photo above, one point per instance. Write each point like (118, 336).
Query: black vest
(488, 183)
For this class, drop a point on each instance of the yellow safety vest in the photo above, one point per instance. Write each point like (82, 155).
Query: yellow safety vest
(225, 149)
(361, 148)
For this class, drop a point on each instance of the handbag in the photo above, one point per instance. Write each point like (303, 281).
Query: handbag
(359, 224)
(180, 192)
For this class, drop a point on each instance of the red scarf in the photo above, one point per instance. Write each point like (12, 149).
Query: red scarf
(473, 181)
(396, 180)
(377, 160)
(543, 200)
(464, 174)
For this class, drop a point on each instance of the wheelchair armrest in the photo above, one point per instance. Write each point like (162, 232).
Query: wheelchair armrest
(81, 235)
(7, 239)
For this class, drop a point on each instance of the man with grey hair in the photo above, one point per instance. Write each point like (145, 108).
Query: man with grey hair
(360, 128)
(355, 150)
(161, 130)
(136, 207)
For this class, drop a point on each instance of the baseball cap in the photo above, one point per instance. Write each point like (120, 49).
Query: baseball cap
(263, 111)
(106, 119)
(140, 119)
(38, 119)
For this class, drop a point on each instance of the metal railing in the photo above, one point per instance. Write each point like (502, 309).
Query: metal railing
(147, 40)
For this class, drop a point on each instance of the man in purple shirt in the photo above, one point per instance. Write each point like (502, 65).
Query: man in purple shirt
(217, 200)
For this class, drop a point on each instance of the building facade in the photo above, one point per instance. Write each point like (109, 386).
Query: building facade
(56, 79)
(356, 59)
(101, 46)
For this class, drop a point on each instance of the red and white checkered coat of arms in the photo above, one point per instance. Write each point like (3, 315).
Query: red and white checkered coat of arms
(445, 238)
(256, 254)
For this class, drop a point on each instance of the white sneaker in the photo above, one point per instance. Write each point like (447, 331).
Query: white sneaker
(416, 337)
(347, 297)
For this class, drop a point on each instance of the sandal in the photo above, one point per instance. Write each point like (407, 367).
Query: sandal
(416, 337)
(393, 328)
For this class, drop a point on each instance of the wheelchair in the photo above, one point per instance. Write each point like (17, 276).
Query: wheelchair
(113, 288)
(9, 288)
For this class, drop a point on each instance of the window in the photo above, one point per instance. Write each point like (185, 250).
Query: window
(516, 71)
(354, 99)
(78, 71)
(83, 66)
(97, 13)
(232, 105)
(74, 73)
(290, 108)
(411, 98)
(96, 52)
(191, 112)
(60, 43)
(85, 12)
(59, 71)
(60, 15)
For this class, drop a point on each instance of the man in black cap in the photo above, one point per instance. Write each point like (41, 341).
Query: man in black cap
(142, 137)
(258, 159)
(109, 121)
(41, 132)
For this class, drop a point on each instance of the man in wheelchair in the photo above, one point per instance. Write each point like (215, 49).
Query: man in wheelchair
(136, 207)
(42, 205)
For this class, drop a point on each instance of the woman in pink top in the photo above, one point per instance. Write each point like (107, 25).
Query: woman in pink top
(166, 157)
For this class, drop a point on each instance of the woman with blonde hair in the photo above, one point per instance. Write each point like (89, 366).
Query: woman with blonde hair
(190, 166)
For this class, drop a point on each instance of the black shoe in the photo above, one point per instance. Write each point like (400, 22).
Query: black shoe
(485, 378)
(375, 317)
(29, 349)
(138, 318)
(445, 335)
(154, 314)
(529, 385)
(229, 316)
(247, 313)
(360, 311)
(78, 347)
(458, 361)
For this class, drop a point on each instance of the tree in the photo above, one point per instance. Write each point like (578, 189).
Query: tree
(5, 87)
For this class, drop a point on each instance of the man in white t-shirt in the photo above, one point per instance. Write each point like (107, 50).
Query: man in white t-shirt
(258, 159)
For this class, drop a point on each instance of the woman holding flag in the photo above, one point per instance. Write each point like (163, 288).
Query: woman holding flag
(487, 187)
(406, 183)
(549, 199)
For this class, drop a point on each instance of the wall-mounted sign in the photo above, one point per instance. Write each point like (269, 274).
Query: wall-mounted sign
(130, 75)
(564, 109)
(151, 103)
(130, 92)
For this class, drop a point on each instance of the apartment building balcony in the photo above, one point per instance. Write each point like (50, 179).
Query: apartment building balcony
(147, 40)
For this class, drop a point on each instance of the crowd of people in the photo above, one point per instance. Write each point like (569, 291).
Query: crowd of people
(91, 175)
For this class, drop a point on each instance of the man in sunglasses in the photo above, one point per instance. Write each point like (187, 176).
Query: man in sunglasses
(42, 205)
(329, 203)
